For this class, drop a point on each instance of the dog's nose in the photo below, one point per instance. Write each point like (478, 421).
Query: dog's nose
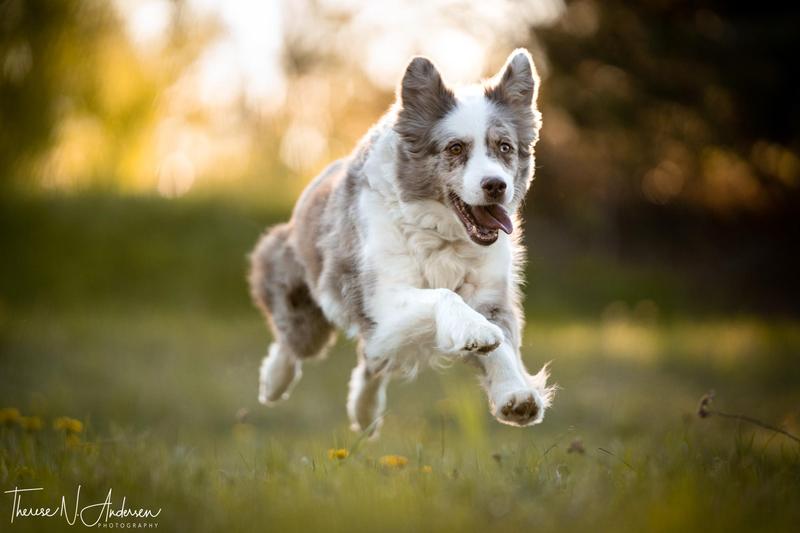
(493, 188)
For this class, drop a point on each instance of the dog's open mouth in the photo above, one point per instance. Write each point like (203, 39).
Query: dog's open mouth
(482, 222)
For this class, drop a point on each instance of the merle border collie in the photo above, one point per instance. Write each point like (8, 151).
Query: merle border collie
(409, 246)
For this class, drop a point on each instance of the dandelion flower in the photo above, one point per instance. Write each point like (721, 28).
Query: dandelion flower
(68, 425)
(339, 453)
(9, 416)
(393, 461)
(31, 423)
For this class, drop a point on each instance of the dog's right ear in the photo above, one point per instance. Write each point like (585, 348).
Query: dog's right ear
(424, 98)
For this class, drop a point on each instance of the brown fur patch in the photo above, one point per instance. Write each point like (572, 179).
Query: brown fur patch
(306, 215)
(327, 238)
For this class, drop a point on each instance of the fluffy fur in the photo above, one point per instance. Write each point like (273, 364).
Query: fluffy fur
(400, 245)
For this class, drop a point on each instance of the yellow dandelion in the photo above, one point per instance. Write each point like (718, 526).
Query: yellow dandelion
(31, 423)
(9, 416)
(393, 461)
(426, 469)
(339, 453)
(68, 425)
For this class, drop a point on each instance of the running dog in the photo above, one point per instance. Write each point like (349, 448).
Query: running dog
(409, 245)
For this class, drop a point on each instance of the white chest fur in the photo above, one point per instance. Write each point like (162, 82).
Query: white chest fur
(422, 244)
(443, 264)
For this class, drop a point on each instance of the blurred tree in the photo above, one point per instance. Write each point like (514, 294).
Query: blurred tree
(671, 134)
(690, 103)
(48, 55)
(78, 101)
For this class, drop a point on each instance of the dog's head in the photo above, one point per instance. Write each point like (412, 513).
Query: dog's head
(472, 148)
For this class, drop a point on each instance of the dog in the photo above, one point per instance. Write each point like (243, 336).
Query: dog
(409, 246)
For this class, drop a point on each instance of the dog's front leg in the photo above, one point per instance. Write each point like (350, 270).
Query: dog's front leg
(515, 397)
(437, 317)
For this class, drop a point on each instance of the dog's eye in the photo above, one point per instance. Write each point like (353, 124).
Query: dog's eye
(455, 148)
(505, 148)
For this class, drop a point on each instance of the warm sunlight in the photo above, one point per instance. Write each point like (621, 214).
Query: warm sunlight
(266, 266)
(227, 71)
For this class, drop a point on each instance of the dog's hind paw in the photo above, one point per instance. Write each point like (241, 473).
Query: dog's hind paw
(278, 375)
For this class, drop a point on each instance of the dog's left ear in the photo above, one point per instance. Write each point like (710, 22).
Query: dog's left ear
(517, 83)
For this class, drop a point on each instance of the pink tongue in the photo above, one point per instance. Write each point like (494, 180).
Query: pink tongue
(493, 217)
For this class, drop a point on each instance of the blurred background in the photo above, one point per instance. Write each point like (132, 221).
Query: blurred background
(146, 144)
(149, 136)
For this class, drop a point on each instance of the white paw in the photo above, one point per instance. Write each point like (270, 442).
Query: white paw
(468, 332)
(521, 407)
(278, 375)
(366, 400)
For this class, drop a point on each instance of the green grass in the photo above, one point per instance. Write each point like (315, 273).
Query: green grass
(159, 395)
(131, 315)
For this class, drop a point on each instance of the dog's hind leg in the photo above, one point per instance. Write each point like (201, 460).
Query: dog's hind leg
(366, 399)
(299, 328)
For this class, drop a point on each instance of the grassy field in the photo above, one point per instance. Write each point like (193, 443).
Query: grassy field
(163, 381)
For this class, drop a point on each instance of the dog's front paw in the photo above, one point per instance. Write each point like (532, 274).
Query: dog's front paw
(522, 407)
(484, 338)
(470, 333)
